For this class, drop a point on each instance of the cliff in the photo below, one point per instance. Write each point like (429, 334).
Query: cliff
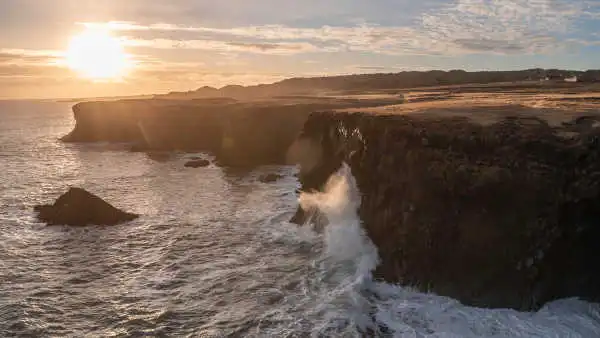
(238, 133)
(496, 206)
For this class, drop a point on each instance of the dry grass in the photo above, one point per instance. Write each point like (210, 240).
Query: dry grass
(486, 104)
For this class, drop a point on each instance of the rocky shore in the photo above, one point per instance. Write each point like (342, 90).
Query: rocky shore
(487, 194)
(496, 206)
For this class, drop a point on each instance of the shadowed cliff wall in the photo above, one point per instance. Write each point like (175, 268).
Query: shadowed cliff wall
(237, 134)
(502, 215)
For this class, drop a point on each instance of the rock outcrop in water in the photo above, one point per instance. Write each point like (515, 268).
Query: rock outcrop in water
(77, 207)
(199, 163)
(496, 214)
(243, 134)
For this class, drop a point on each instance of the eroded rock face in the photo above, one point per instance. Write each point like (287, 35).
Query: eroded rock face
(503, 215)
(77, 207)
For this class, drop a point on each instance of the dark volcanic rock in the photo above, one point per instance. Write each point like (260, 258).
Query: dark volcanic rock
(269, 178)
(200, 163)
(500, 215)
(78, 207)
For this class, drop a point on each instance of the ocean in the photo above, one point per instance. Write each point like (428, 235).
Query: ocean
(213, 254)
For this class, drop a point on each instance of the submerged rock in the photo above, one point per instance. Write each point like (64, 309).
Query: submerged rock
(270, 178)
(197, 163)
(77, 207)
(159, 156)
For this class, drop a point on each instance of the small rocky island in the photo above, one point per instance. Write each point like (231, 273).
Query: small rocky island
(78, 207)
(197, 163)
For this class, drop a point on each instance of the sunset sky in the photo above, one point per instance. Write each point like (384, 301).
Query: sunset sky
(186, 44)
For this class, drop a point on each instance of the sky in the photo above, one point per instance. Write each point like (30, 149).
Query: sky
(179, 45)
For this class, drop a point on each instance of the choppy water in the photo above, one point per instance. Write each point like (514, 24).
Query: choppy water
(212, 255)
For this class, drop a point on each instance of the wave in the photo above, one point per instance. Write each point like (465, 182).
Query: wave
(352, 303)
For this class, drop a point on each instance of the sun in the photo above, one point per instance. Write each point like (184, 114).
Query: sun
(97, 55)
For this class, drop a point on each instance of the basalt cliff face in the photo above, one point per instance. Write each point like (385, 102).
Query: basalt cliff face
(237, 133)
(497, 214)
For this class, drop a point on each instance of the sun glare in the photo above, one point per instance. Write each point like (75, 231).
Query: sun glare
(97, 55)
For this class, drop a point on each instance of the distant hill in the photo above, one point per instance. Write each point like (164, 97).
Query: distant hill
(366, 82)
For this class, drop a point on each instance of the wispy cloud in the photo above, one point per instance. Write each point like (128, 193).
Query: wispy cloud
(278, 39)
(30, 71)
(465, 27)
(18, 56)
(360, 68)
(282, 48)
(24, 64)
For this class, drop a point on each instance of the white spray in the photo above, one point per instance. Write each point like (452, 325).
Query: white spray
(345, 237)
(349, 256)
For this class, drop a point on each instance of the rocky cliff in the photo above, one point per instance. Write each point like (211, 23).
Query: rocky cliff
(496, 214)
(237, 133)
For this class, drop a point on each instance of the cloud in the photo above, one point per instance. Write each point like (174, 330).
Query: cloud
(281, 48)
(505, 26)
(385, 69)
(376, 68)
(31, 71)
(267, 47)
(276, 39)
(462, 29)
(20, 68)
(23, 65)
(29, 56)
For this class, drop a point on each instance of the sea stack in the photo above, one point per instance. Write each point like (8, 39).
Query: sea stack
(77, 207)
